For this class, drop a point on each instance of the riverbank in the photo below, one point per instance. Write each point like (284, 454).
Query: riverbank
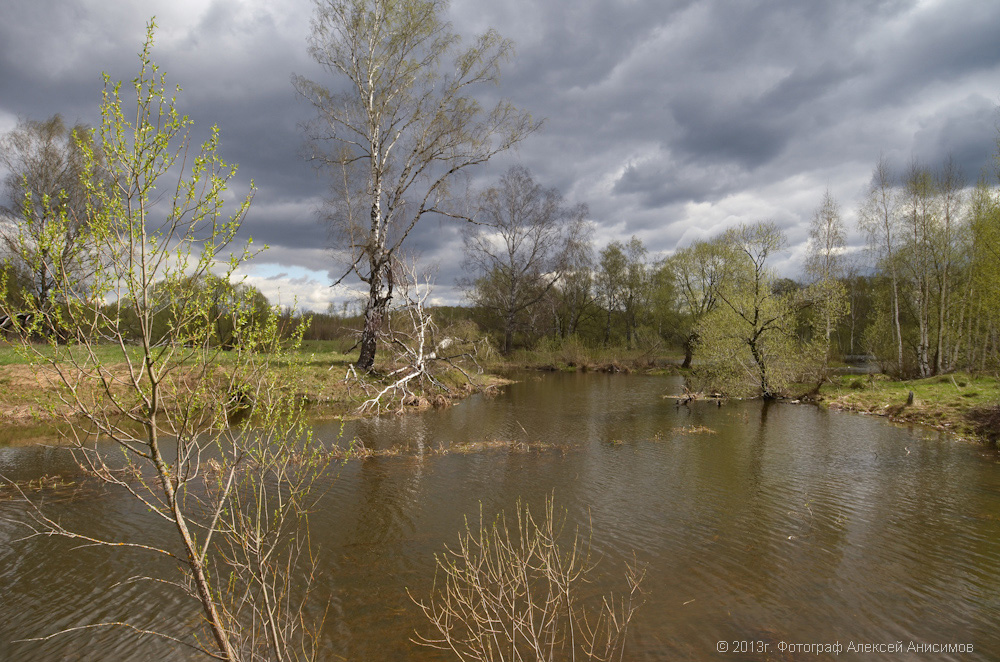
(32, 397)
(958, 403)
(323, 378)
(965, 406)
(573, 356)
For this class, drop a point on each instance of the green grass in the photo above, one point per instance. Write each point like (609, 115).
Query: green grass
(944, 402)
(13, 354)
(323, 353)
(311, 351)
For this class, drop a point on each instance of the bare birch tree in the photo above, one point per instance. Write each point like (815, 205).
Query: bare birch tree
(399, 127)
(878, 219)
(825, 265)
(420, 354)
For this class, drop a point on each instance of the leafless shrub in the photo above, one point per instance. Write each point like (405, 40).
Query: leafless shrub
(519, 593)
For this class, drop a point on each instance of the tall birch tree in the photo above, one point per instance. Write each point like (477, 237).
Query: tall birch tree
(825, 265)
(919, 219)
(946, 253)
(399, 125)
(878, 219)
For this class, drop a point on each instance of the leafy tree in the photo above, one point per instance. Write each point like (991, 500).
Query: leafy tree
(919, 224)
(575, 290)
(635, 287)
(878, 336)
(223, 298)
(663, 301)
(698, 271)
(235, 498)
(860, 302)
(518, 252)
(16, 290)
(402, 128)
(623, 285)
(923, 234)
(984, 281)
(749, 342)
(612, 268)
(948, 250)
(44, 202)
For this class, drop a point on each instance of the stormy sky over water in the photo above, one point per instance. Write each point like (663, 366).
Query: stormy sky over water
(673, 120)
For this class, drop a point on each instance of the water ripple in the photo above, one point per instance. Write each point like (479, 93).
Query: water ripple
(765, 522)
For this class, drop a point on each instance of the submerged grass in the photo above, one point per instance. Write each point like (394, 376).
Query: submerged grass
(511, 445)
(54, 488)
(693, 429)
(356, 449)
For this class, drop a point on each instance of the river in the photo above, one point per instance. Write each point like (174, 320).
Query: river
(772, 523)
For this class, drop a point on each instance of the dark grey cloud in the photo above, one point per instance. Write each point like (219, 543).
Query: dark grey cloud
(957, 132)
(672, 119)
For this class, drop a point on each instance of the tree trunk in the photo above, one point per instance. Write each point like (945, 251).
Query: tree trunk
(941, 364)
(194, 562)
(765, 386)
(375, 311)
(895, 319)
(688, 351)
(923, 324)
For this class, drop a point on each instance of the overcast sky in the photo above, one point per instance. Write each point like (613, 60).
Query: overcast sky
(672, 120)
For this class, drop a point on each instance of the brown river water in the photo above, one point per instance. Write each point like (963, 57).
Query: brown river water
(785, 525)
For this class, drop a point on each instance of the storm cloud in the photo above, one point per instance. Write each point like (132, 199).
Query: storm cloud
(671, 120)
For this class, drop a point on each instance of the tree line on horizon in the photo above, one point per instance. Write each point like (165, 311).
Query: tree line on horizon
(920, 300)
